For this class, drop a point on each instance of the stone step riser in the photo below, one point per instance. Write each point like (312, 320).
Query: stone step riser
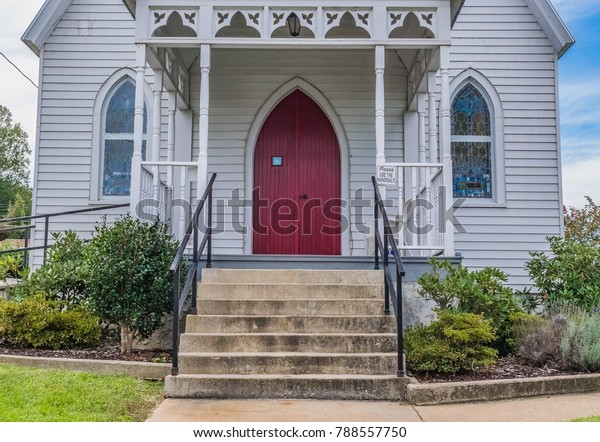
(343, 307)
(290, 324)
(292, 276)
(375, 343)
(290, 364)
(391, 389)
(288, 291)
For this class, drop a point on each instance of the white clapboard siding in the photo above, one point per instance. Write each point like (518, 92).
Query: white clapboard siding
(73, 69)
(504, 42)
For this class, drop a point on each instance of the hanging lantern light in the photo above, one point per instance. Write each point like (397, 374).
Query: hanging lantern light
(293, 23)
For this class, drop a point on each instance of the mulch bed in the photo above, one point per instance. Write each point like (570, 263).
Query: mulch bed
(106, 350)
(505, 368)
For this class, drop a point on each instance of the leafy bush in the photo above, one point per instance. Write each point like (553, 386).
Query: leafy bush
(62, 276)
(456, 341)
(38, 322)
(580, 342)
(10, 266)
(478, 292)
(129, 282)
(569, 275)
(538, 340)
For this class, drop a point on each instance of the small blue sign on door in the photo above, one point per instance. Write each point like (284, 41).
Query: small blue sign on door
(277, 161)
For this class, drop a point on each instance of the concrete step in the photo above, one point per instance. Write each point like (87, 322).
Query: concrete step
(210, 290)
(267, 307)
(349, 387)
(327, 343)
(291, 276)
(284, 363)
(290, 324)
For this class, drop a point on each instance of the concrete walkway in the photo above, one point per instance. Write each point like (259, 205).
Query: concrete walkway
(538, 409)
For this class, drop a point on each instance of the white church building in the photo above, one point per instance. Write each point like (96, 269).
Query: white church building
(296, 105)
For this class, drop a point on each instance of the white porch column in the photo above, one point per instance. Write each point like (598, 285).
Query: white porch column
(203, 125)
(171, 106)
(156, 131)
(422, 133)
(433, 119)
(445, 144)
(172, 97)
(380, 104)
(138, 129)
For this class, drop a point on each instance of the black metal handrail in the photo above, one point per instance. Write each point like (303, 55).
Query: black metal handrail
(46, 218)
(383, 246)
(190, 284)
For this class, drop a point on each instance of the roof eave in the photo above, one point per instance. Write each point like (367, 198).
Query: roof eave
(130, 4)
(44, 23)
(552, 25)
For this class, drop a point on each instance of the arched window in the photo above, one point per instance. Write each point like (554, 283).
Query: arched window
(472, 146)
(116, 144)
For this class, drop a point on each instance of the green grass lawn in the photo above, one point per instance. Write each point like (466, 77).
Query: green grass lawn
(587, 419)
(40, 395)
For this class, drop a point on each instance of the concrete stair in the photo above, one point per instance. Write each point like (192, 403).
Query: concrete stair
(304, 334)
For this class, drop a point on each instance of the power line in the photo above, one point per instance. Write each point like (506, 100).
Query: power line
(17, 68)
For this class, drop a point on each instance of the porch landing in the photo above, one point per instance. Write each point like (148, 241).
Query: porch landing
(415, 266)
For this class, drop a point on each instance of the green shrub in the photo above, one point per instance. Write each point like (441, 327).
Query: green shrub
(456, 341)
(569, 275)
(38, 322)
(537, 340)
(10, 266)
(62, 276)
(479, 292)
(580, 342)
(128, 278)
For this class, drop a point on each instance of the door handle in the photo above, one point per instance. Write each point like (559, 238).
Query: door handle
(304, 196)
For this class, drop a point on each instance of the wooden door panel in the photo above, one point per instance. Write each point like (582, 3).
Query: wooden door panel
(292, 202)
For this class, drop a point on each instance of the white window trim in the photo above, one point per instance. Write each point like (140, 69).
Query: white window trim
(98, 125)
(487, 89)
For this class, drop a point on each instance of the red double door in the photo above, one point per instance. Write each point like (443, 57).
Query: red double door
(296, 197)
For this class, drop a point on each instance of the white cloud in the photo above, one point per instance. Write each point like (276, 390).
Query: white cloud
(580, 114)
(571, 10)
(580, 179)
(16, 92)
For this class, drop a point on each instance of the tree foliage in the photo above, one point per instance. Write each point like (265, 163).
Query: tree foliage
(14, 149)
(583, 225)
(128, 281)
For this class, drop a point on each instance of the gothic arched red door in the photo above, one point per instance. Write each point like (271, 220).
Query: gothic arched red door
(297, 185)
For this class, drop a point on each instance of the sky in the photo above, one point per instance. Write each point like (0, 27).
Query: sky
(579, 74)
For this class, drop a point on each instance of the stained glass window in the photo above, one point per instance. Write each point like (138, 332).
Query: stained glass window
(471, 145)
(118, 140)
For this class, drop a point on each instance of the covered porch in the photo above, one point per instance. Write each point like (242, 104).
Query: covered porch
(377, 71)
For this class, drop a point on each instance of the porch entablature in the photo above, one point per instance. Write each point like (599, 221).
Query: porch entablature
(349, 23)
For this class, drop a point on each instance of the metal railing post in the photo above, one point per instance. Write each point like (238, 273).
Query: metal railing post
(26, 252)
(46, 222)
(175, 350)
(209, 230)
(195, 262)
(376, 223)
(400, 325)
(386, 308)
